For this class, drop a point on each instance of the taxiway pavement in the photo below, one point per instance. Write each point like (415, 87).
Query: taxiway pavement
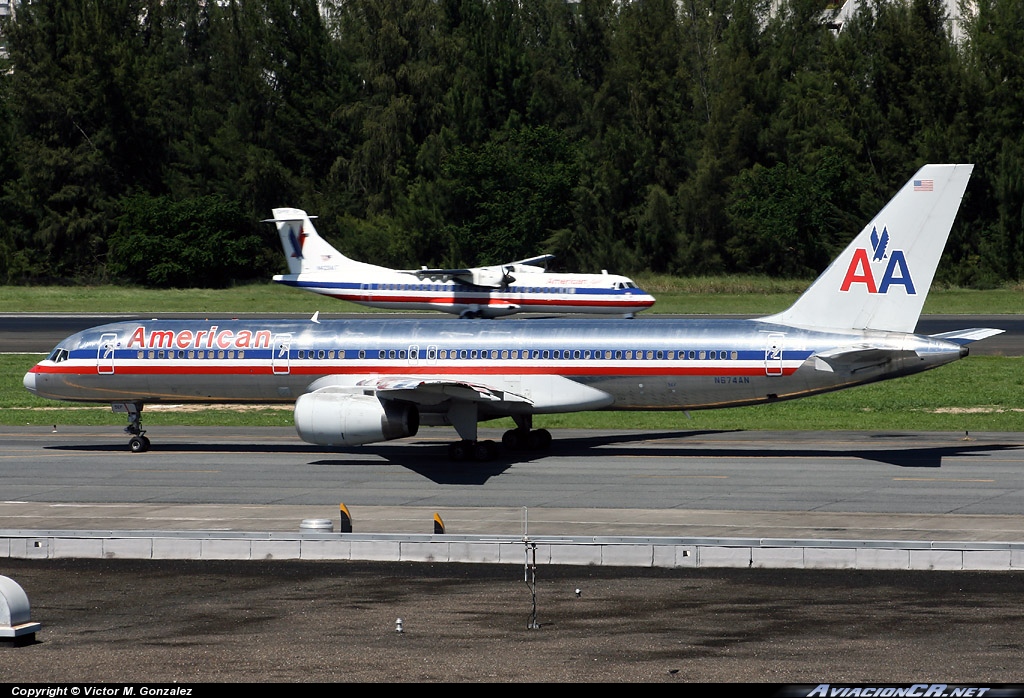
(857, 485)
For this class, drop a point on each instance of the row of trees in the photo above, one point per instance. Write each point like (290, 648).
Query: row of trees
(144, 140)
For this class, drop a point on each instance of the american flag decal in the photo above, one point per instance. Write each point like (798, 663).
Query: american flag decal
(924, 185)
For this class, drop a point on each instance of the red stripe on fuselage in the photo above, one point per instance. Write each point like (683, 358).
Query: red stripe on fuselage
(132, 368)
(487, 300)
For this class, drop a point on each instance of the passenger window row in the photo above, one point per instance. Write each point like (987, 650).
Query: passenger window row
(549, 354)
(191, 354)
(451, 354)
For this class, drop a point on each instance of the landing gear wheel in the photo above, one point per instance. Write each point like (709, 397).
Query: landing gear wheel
(138, 444)
(481, 451)
(526, 439)
(459, 451)
(539, 440)
(484, 451)
(514, 439)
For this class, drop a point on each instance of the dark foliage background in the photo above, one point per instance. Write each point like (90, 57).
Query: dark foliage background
(144, 141)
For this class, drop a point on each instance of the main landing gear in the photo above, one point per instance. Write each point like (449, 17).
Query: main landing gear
(138, 443)
(522, 438)
(466, 449)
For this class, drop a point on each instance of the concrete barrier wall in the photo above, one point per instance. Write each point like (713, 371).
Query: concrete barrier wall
(620, 552)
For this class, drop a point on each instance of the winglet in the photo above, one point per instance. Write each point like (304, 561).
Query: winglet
(880, 282)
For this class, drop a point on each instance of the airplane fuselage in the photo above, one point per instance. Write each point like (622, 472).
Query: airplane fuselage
(544, 366)
(531, 293)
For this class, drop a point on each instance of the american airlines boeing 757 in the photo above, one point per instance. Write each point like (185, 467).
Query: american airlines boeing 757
(363, 381)
(479, 292)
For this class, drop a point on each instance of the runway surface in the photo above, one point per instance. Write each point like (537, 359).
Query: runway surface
(861, 485)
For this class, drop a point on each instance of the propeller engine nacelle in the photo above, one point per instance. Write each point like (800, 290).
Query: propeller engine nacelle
(493, 277)
(333, 418)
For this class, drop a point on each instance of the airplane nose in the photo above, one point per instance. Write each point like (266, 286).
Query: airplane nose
(30, 382)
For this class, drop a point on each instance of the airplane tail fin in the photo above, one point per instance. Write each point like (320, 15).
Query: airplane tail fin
(304, 249)
(881, 280)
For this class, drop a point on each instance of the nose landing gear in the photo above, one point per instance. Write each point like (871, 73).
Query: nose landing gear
(138, 443)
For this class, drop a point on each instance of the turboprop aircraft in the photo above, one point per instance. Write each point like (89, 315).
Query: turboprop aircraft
(368, 380)
(486, 292)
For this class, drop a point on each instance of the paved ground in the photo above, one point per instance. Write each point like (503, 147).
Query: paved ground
(148, 622)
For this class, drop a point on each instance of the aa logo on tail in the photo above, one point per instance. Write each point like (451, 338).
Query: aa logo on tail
(896, 273)
(296, 241)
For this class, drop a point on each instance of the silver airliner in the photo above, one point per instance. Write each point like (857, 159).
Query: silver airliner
(369, 380)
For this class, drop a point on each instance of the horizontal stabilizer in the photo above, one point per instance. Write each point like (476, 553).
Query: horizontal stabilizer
(849, 360)
(967, 336)
(297, 217)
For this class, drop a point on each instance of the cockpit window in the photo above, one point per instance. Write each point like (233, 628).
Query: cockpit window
(58, 355)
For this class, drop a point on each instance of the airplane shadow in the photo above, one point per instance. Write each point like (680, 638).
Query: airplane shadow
(927, 457)
(431, 462)
(429, 459)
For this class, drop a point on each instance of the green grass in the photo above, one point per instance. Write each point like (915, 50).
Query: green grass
(977, 394)
(743, 295)
(760, 295)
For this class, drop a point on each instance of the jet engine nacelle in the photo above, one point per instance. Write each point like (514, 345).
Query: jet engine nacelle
(333, 418)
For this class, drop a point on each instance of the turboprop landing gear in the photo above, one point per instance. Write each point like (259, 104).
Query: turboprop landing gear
(138, 443)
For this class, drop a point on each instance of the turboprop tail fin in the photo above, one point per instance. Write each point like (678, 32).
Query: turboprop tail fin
(304, 249)
(881, 280)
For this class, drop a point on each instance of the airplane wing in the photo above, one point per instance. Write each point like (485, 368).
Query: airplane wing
(493, 276)
(437, 274)
(431, 391)
(532, 260)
